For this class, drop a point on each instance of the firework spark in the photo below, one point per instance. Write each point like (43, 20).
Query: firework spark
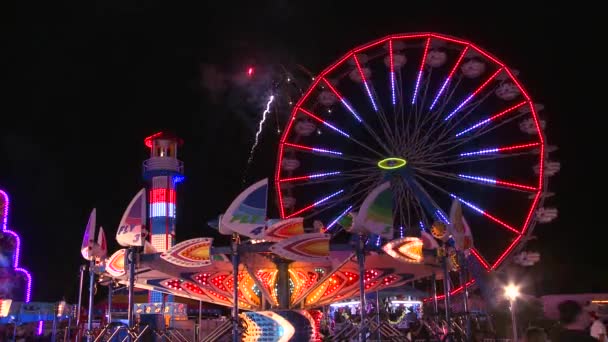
(260, 126)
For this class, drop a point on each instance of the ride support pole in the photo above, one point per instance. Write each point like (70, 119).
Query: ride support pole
(446, 291)
(361, 262)
(110, 290)
(235, 294)
(131, 261)
(435, 303)
(81, 269)
(465, 293)
(90, 316)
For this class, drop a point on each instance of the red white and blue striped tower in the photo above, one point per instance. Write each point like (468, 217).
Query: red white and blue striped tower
(163, 171)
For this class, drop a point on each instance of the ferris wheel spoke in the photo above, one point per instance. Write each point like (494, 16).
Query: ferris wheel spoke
(502, 149)
(418, 119)
(491, 118)
(482, 180)
(449, 78)
(372, 97)
(481, 259)
(439, 163)
(355, 196)
(471, 108)
(434, 118)
(421, 70)
(437, 212)
(330, 153)
(338, 130)
(470, 97)
(392, 73)
(471, 206)
(488, 153)
(455, 142)
(322, 178)
(357, 117)
(316, 203)
(423, 147)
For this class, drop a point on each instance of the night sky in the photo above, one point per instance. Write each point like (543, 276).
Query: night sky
(89, 82)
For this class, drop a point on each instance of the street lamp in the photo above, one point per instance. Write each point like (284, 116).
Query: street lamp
(512, 292)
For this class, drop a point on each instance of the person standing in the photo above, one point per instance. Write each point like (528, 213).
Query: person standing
(574, 323)
(598, 329)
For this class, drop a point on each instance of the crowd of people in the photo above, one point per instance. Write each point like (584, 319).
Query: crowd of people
(575, 325)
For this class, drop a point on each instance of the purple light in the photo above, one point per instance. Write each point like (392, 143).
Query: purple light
(350, 109)
(426, 50)
(378, 240)
(470, 205)
(319, 175)
(362, 74)
(336, 129)
(339, 217)
(392, 65)
(479, 179)
(441, 216)
(473, 95)
(321, 150)
(371, 98)
(326, 198)
(39, 329)
(422, 225)
(459, 107)
(401, 232)
(475, 153)
(28, 291)
(482, 122)
(17, 247)
(393, 87)
(417, 85)
(447, 80)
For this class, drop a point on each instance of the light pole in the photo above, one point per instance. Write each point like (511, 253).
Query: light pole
(512, 292)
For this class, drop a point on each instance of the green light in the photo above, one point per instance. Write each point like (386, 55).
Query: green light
(391, 163)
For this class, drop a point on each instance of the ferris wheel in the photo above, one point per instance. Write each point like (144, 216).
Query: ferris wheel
(440, 119)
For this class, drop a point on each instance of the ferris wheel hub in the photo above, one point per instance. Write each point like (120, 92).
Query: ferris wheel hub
(392, 163)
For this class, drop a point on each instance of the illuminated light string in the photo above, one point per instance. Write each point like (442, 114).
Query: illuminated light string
(492, 118)
(426, 50)
(463, 103)
(260, 126)
(312, 149)
(484, 213)
(499, 149)
(311, 176)
(369, 93)
(324, 122)
(392, 64)
(342, 100)
(28, 276)
(447, 80)
(497, 182)
(39, 328)
(342, 214)
(439, 214)
(319, 202)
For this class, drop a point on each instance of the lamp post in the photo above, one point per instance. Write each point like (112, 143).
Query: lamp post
(512, 292)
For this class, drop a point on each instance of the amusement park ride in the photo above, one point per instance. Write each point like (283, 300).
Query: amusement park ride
(376, 163)
(381, 160)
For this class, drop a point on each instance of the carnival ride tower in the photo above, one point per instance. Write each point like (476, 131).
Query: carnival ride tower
(163, 172)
